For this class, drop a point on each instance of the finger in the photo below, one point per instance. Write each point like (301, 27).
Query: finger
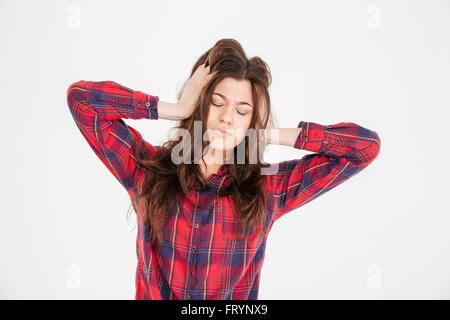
(200, 68)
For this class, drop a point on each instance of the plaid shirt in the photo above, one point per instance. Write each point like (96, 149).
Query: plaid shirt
(200, 258)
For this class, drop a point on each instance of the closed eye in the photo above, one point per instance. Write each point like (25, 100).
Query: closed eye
(242, 114)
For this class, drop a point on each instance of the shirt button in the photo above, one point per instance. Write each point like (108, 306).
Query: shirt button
(188, 297)
(139, 103)
(196, 225)
(191, 273)
(147, 104)
(194, 248)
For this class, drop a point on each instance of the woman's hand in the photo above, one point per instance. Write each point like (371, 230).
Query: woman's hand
(192, 90)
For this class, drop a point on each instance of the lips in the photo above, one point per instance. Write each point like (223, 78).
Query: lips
(222, 132)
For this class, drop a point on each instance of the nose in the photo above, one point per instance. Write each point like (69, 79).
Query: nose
(226, 114)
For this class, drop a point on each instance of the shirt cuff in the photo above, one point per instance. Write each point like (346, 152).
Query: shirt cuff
(311, 136)
(147, 104)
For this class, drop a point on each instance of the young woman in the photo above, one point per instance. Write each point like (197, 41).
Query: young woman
(203, 221)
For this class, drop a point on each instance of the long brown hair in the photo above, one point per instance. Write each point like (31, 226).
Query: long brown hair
(165, 183)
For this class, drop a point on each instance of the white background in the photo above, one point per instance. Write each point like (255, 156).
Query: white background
(383, 234)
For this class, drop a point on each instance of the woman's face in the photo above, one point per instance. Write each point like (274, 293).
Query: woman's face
(231, 109)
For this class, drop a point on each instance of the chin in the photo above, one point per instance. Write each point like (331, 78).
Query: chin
(221, 146)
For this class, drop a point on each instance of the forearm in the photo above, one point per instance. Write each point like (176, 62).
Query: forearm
(169, 111)
(108, 100)
(282, 136)
(122, 102)
(341, 140)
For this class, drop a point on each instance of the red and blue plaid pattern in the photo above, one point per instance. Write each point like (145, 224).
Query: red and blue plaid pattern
(201, 257)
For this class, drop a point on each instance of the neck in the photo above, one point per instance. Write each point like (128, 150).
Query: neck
(213, 160)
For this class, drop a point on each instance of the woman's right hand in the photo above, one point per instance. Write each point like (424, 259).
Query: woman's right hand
(192, 90)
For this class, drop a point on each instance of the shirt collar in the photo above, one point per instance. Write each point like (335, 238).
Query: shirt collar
(216, 179)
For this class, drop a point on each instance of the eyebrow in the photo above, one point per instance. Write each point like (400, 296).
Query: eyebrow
(239, 102)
